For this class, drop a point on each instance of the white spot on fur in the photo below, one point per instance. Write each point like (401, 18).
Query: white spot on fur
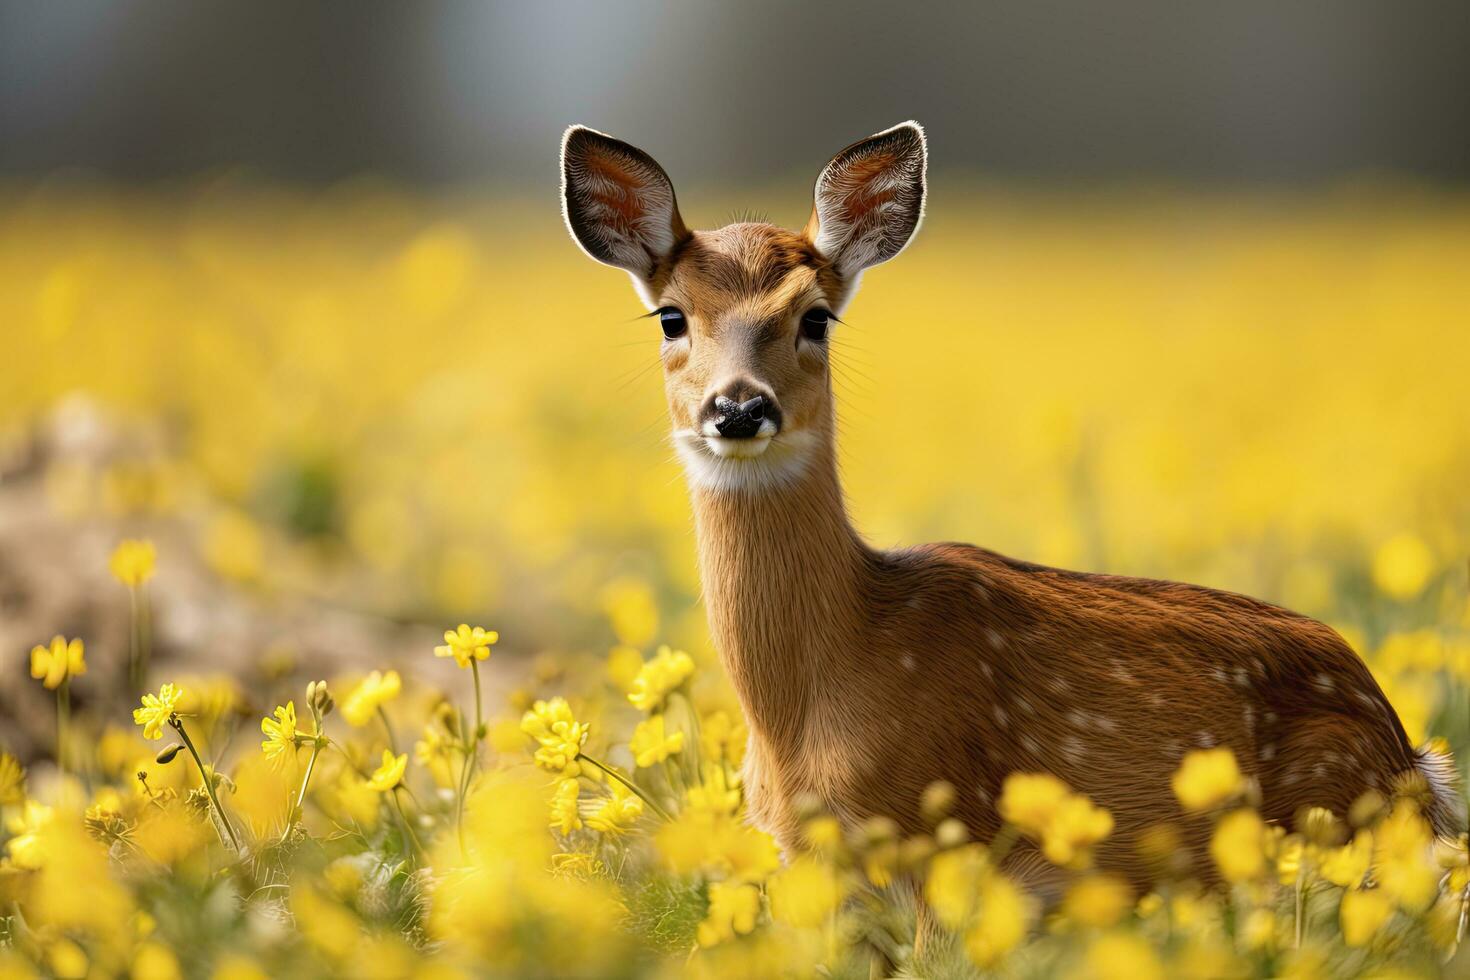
(1001, 718)
(908, 662)
(1324, 683)
(993, 637)
(1074, 748)
(1206, 740)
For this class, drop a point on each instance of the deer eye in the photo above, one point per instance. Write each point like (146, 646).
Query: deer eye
(673, 322)
(814, 324)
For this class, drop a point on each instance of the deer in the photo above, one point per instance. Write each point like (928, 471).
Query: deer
(866, 675)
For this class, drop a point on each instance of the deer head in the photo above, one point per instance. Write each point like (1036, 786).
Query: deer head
(746, 309)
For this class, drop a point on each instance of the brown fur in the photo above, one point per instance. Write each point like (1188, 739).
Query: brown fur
(866, 675)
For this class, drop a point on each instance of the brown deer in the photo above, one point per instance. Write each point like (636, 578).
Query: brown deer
(866, 675)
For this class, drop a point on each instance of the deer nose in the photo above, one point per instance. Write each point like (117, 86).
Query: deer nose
(739, 421)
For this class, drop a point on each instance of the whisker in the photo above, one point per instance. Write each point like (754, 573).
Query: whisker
(637, 376)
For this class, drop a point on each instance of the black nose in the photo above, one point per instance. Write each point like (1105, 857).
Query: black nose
(739, 421)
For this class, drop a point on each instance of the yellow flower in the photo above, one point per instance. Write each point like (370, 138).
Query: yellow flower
(660, 675)
(733, 909)
(722, 739)
(617, 812)
(1345, 866)
(1260, 930)
(1451, 855)
(1286, 851)
(951, 887)
(631, 609)
(26, 845)
(432, 752)
(12, 780)
(1098, 900)
(651, 745)
(1207, 778)
(578, 864)
(467, 643)
(388, 775)
(559, 735)
(1123, 956)
(54, 664)
(67, 959)
(155, 961)
(1030, 800)
(376, 690)
(1074, 828)
(564, 815)
(1067, 824)
(1402, 566)
(1362, 914)
(623, 664)
(280, 734)
(1403, 858)
(718, 793)
(132, 562)
(1237, 845)
(804, 894)
(157, 709)
(1005, 911)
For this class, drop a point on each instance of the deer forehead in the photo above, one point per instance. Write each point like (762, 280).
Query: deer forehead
(761, 270)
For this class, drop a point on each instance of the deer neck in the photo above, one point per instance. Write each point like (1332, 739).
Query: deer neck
(782, 571)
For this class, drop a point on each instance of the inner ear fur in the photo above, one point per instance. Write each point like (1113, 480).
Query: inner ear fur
(618, 202)
(869, 200)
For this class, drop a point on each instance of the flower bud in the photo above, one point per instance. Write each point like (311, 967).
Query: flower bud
(166, 755)
(937, 801)
(319, 697)
(951, 833)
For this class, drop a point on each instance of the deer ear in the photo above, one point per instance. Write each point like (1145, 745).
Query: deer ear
(869, 200)
(618, 202)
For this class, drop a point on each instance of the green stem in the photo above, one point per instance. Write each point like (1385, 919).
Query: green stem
(464, 782)
(472, 753)
(403, 821)
(135, 641)
(653, 805)
(316, 750)
(388, 727)
(178, 726)
(1298, 909)
(63, 722)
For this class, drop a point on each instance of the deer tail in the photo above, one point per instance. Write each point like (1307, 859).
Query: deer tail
(1446, 809)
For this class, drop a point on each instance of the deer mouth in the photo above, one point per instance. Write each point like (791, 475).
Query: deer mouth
(745, 447)
(720, 463)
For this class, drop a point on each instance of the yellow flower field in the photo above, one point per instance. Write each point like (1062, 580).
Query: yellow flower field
(228, 410)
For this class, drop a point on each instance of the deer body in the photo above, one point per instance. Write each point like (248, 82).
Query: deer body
(866, 675)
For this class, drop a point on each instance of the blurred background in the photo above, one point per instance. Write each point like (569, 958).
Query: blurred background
(285, 289)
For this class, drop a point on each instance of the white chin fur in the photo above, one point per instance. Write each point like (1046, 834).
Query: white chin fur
(714, 463)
